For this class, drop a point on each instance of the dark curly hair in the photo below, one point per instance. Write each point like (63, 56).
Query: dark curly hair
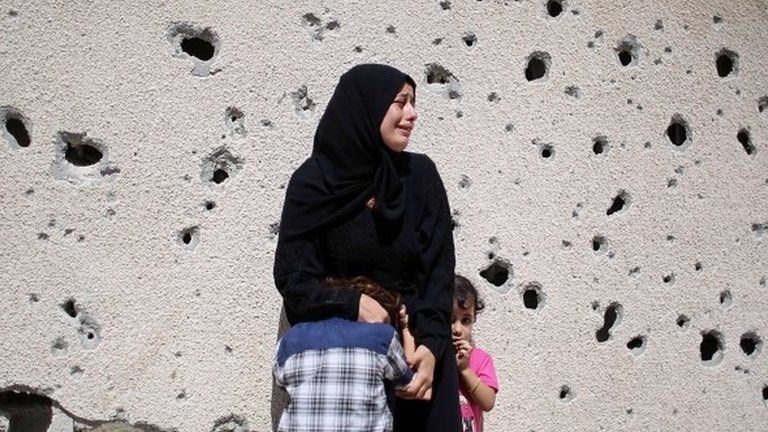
(389, 300)
(465, 294)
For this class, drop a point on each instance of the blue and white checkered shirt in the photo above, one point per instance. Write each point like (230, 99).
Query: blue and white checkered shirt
(334, 372)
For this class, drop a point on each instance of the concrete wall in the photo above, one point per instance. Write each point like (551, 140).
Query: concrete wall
(607, 169)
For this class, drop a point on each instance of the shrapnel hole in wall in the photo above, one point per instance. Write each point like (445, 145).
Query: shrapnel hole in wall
(611, 317)
(533, 296)
(80, 151)
(554, 8)
(598, 243)
(726, 299)
(599, 144)
(198, 48)
(537, 66)
(683, 321)
(711, 346)
(470, 39)
(620, 202)
(751, 344)
(17, 129)
(70, 307)
(727, 63)
(746, 141)
(497, 272)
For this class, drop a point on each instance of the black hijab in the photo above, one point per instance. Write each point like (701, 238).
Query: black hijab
(350, 162)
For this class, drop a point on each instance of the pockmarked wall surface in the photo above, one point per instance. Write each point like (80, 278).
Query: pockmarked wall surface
(606, 164)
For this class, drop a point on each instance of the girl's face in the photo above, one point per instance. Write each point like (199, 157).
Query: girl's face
(462, 320)
(399, 120)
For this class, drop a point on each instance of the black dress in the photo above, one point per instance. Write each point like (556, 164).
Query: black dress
(417, 261)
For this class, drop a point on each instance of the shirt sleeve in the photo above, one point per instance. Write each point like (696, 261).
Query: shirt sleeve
(297, 271)
(396, 369)
(431, 310)
(485, 370)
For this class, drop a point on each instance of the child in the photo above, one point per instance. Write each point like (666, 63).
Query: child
(334, 369)
(477, 376)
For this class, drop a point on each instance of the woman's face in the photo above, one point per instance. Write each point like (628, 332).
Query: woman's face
(401, 116)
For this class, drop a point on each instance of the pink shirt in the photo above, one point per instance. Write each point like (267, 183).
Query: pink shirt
(471, 415)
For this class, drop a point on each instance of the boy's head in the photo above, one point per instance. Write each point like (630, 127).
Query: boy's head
(466, 305)
(389, 300)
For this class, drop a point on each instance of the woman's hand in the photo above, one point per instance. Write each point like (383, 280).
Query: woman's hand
(463, 349)
(370, 311)
(420, 386)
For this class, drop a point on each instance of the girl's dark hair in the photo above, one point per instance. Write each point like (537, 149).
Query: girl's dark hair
(465, 293)
(389, 300)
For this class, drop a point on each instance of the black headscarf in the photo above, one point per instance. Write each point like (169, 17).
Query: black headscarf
(350, 162)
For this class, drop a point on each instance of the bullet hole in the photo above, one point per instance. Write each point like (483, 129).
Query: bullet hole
(636, 345)
(576, 211)
(391, 29)
(302, 103)
(227, 349)
(195, 43)
(533, 296)
(455, 221)
(667, 50)
(15, 127)
(566, 245)
(358, 49)
(70, 308)
(600, 145)
(445, 4)
(716, 19)
(81, 153)
(669, 279)
(33, 298)
(440, 80)
(594, 305)
(751, 344)
(611, 318)
(470, 39)
(231, 423)
(546, 151)
(509, 127)
(573, 91)
(671, 238)
(599, 243)
(566, 395)
(554, 8)
(537, 67)
(620, 203)
(316, 27)
(765, 393)
(727, 63)
(76, 372)
(634, 271)
(711, 347)
(759, 229)
(219, 176)
(683, 321)
(671, 183)
(210, 205)
(647, 144)
(698, 267)
(198, 48)
(746, 141)
(498, 272)
(219, 166)
(628, 51)
(42, 236)
(659, 25)
(762, 104)
(59, 347)
(181, 396)
(465, 182)
(437, 41)
(493, 97)
(189, 237)
(459, 114)
(726, 299)
(234, 121)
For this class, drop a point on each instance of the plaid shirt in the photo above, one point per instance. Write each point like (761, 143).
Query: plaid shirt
(334, 372)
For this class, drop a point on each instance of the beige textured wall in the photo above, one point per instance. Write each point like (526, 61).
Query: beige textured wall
(181, 335)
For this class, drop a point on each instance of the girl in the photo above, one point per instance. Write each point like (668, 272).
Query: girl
(477, 375)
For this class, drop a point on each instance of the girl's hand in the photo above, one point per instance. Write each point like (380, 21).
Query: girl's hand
(463, 349)
(420, 386)
(370, 311)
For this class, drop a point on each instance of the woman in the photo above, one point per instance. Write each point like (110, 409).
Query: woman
(362, 206)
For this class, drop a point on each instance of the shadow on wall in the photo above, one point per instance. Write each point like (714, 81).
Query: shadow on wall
(279, 396)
